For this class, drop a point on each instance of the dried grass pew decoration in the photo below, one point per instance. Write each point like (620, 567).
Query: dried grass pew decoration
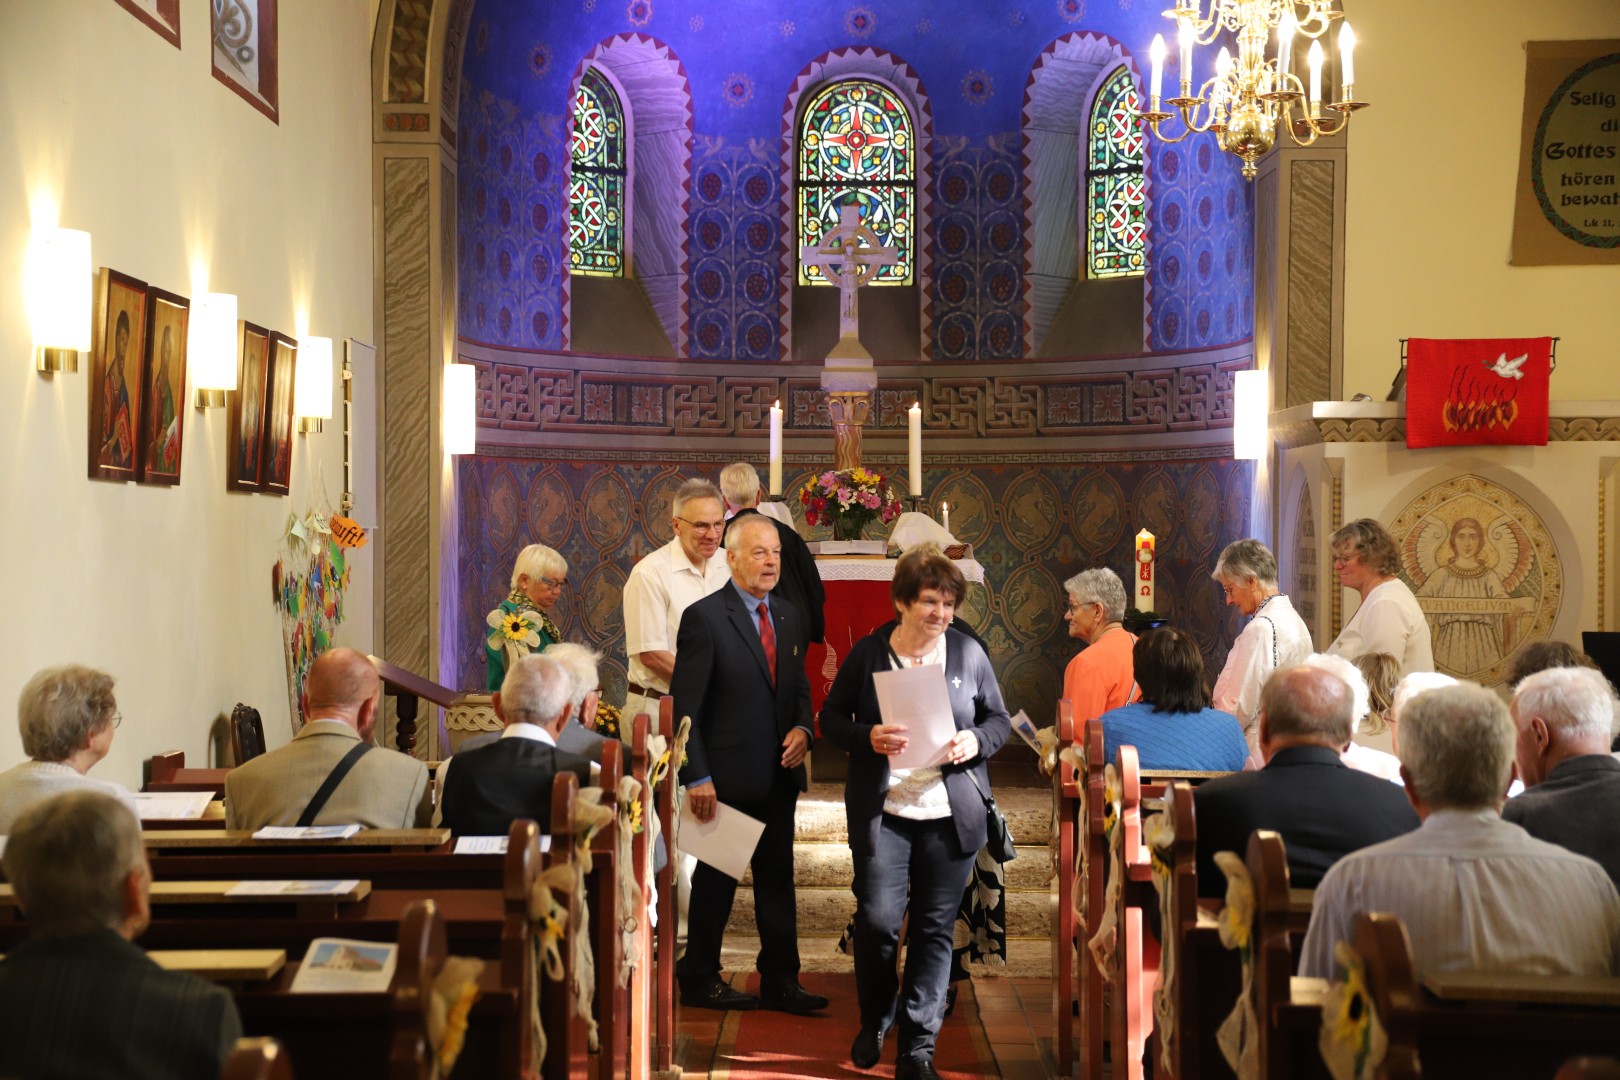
(455, 990)
(1159, 834)
(632, 814)
(1104, 944)
(1239, 1034)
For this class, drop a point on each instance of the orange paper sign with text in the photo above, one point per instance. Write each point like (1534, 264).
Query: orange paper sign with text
(347, 532)
(1477, 391)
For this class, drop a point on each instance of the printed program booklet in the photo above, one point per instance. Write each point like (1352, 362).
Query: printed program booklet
(338, 965)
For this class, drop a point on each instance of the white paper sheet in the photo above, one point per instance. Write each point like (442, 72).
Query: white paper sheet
(1025, 727)
(308, 832)
(336, 965)
(171, 805)
(725, 842)
(293, 888)
(917, 698)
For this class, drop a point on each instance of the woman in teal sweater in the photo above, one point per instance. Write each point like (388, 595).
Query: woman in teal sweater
(521, 625)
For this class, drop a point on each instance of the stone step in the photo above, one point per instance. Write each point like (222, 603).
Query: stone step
(820, 817)
(828, 911)
(818, 953)
(830, 866)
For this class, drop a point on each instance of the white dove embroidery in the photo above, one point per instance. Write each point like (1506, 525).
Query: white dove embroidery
(1508, 369)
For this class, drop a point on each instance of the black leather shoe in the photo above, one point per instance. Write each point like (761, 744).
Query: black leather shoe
(950, 999)
(715, 993)
(916, 1070)
(867, 1048)
(791, 998)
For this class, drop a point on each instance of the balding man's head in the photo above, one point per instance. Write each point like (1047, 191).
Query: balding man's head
(1305, 705)
(343, 685)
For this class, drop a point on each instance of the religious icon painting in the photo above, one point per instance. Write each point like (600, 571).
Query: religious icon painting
(115, 381)
(276, 477)
(244, 439)
(163, 388)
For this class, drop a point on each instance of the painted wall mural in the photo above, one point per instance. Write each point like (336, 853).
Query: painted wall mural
(1033, 525)
(1485, 571)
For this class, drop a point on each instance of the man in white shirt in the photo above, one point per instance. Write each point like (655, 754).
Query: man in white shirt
(661, 587)
(1474, 892)
(496, 784)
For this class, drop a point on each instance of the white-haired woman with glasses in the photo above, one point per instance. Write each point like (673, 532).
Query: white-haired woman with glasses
(1275, 638)
(67, 716)
(522, 624)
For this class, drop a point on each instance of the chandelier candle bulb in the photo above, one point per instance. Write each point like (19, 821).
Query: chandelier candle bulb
(1285, 48)
(776, 448)
(914, 445)
(1347, 65)
(1144, 571)
(1157, 52)
(1223, 70)
(1315, 58)
(1185, 40)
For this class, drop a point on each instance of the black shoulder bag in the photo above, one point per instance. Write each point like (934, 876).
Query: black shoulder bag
(330, 784)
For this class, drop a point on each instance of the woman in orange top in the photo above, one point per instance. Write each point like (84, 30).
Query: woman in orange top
(1101, 677)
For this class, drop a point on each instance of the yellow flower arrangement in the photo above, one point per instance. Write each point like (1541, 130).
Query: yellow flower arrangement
(1160, 836)
(512, 629)
(1352, 1041)
(1236, 919)
(633, 811)
(455, 1027)
(1111, 796)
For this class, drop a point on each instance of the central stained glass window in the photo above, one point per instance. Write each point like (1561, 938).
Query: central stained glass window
(856, 143)
(596, 217)
(1116, 222)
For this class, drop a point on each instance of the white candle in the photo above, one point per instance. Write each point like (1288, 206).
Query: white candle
(1315, 58)
(1223, 71)
(1144, 571)
(1285, 48)
(914, 434)
(1185, 40)
(945, 516)
(1347, 63)
(1157, 52)
(776, 448)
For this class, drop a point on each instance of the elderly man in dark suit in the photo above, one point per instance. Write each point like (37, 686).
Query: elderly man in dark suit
(79, 998)
(1323, 808)
(739, 674)
(1565, 718)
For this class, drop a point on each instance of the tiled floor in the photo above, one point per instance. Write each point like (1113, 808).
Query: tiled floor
(1015, 1013)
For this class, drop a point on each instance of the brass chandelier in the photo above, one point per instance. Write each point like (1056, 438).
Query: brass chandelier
(1248, 99)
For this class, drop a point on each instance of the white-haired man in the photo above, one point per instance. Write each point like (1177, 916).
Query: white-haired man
(1474, 892)
(79, 997)
(1565, 718)
(488, 788)
(800, 582)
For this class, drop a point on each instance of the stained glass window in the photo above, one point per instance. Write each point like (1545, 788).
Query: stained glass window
(597, 184)
(855, 142)
(1116, 224)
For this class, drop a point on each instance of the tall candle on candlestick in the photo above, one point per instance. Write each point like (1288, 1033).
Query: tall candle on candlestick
(945, 516)
(1144, 571)
(914, 420)
(776, 448)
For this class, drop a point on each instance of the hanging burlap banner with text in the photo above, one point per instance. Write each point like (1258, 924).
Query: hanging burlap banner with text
(1567, 203)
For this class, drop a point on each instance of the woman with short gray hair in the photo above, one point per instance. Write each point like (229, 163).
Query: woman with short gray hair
(1101, 676)
(67, 716)
(1276, 636)
(521, 624)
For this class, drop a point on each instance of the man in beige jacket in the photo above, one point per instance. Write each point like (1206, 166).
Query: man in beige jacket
(375, 787)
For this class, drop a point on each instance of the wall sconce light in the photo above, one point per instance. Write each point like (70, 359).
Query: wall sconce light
(1250, 394)
(312, 384)
(211, 348)
(59, 297)
(460, 409)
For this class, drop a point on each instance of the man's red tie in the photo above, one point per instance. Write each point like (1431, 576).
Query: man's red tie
(767, 638)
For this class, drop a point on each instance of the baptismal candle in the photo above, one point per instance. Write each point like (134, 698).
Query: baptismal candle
(945, 515)
(776, 448)
(914, 420)
(1144, 571)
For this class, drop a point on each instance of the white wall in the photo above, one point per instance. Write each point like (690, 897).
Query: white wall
(181, 184)
(1432, 171)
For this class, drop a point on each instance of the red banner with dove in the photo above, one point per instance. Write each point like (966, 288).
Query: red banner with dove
(1477, 391)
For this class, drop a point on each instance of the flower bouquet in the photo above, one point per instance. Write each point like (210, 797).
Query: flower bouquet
(847, 500)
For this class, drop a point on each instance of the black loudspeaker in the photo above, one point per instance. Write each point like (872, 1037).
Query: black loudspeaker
(1603, 646)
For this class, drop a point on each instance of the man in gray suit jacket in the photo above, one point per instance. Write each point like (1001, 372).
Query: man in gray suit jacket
(1571, 798)
(377, 788)
(78, 996)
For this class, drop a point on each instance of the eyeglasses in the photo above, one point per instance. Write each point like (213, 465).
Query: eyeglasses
(704, 526)
(118, 718)
(1078, 608)
(552, 583)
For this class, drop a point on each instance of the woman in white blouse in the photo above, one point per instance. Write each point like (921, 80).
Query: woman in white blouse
(1389, 619)
(1276, 636)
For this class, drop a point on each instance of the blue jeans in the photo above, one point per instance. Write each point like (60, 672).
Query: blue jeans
(916, 862)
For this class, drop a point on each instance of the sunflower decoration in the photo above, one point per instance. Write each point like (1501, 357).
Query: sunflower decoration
(1112, 791)
(1237, 916)
(607, 720)
(1352, 1041)
(514, 631)
(632, 809)
(1160, 836)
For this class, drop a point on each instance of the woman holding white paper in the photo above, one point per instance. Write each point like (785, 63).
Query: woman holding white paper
(914, 833)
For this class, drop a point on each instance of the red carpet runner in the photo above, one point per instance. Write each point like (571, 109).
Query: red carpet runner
(776, 1046)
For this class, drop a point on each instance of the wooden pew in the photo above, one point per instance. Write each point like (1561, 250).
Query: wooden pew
(564, 1029)
(1131, 994)
(167, 772)
(663, 953)
(257, 1059)
(1066, 922)
(1093, 854)
(640, 994)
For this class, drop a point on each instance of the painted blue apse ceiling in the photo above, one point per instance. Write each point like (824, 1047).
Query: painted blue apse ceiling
(972, 61)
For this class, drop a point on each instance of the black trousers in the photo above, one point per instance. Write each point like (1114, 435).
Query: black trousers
(917, 861)
(775, 905)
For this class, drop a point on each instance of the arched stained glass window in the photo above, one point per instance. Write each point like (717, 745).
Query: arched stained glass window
(855, 142)
(1116, 221)
(596, 220)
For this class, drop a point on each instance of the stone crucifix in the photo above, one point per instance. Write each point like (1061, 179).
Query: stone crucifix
(847, 374)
